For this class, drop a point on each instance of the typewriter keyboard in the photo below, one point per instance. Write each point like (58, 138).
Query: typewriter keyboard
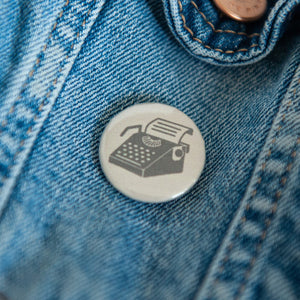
(135, 153)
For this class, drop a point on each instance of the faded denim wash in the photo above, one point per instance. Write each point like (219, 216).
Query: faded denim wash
(69, 66)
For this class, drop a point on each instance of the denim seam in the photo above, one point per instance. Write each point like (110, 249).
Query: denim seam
(222, 30)
(269, 218)
(189, 30)
(30, 77)
(31, 73)
(212, 286)
(274, 208)
(41, 108)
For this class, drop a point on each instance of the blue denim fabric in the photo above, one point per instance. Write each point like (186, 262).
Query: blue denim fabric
(208, 35)
(66, 233)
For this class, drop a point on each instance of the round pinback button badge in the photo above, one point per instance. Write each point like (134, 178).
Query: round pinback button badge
(152, 152)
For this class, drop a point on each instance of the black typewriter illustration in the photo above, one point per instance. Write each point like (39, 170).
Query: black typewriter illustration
(156, 151)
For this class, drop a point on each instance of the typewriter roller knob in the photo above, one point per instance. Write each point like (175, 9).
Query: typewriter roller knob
(179, 153)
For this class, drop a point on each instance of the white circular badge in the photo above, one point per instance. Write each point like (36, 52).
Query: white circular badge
(152, 152)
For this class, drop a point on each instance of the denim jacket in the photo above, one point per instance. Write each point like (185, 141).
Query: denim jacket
(67, 68)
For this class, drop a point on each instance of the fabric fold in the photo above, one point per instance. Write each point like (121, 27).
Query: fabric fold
(210, 36)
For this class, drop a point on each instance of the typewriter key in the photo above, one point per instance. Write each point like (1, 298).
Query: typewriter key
(152, 152)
